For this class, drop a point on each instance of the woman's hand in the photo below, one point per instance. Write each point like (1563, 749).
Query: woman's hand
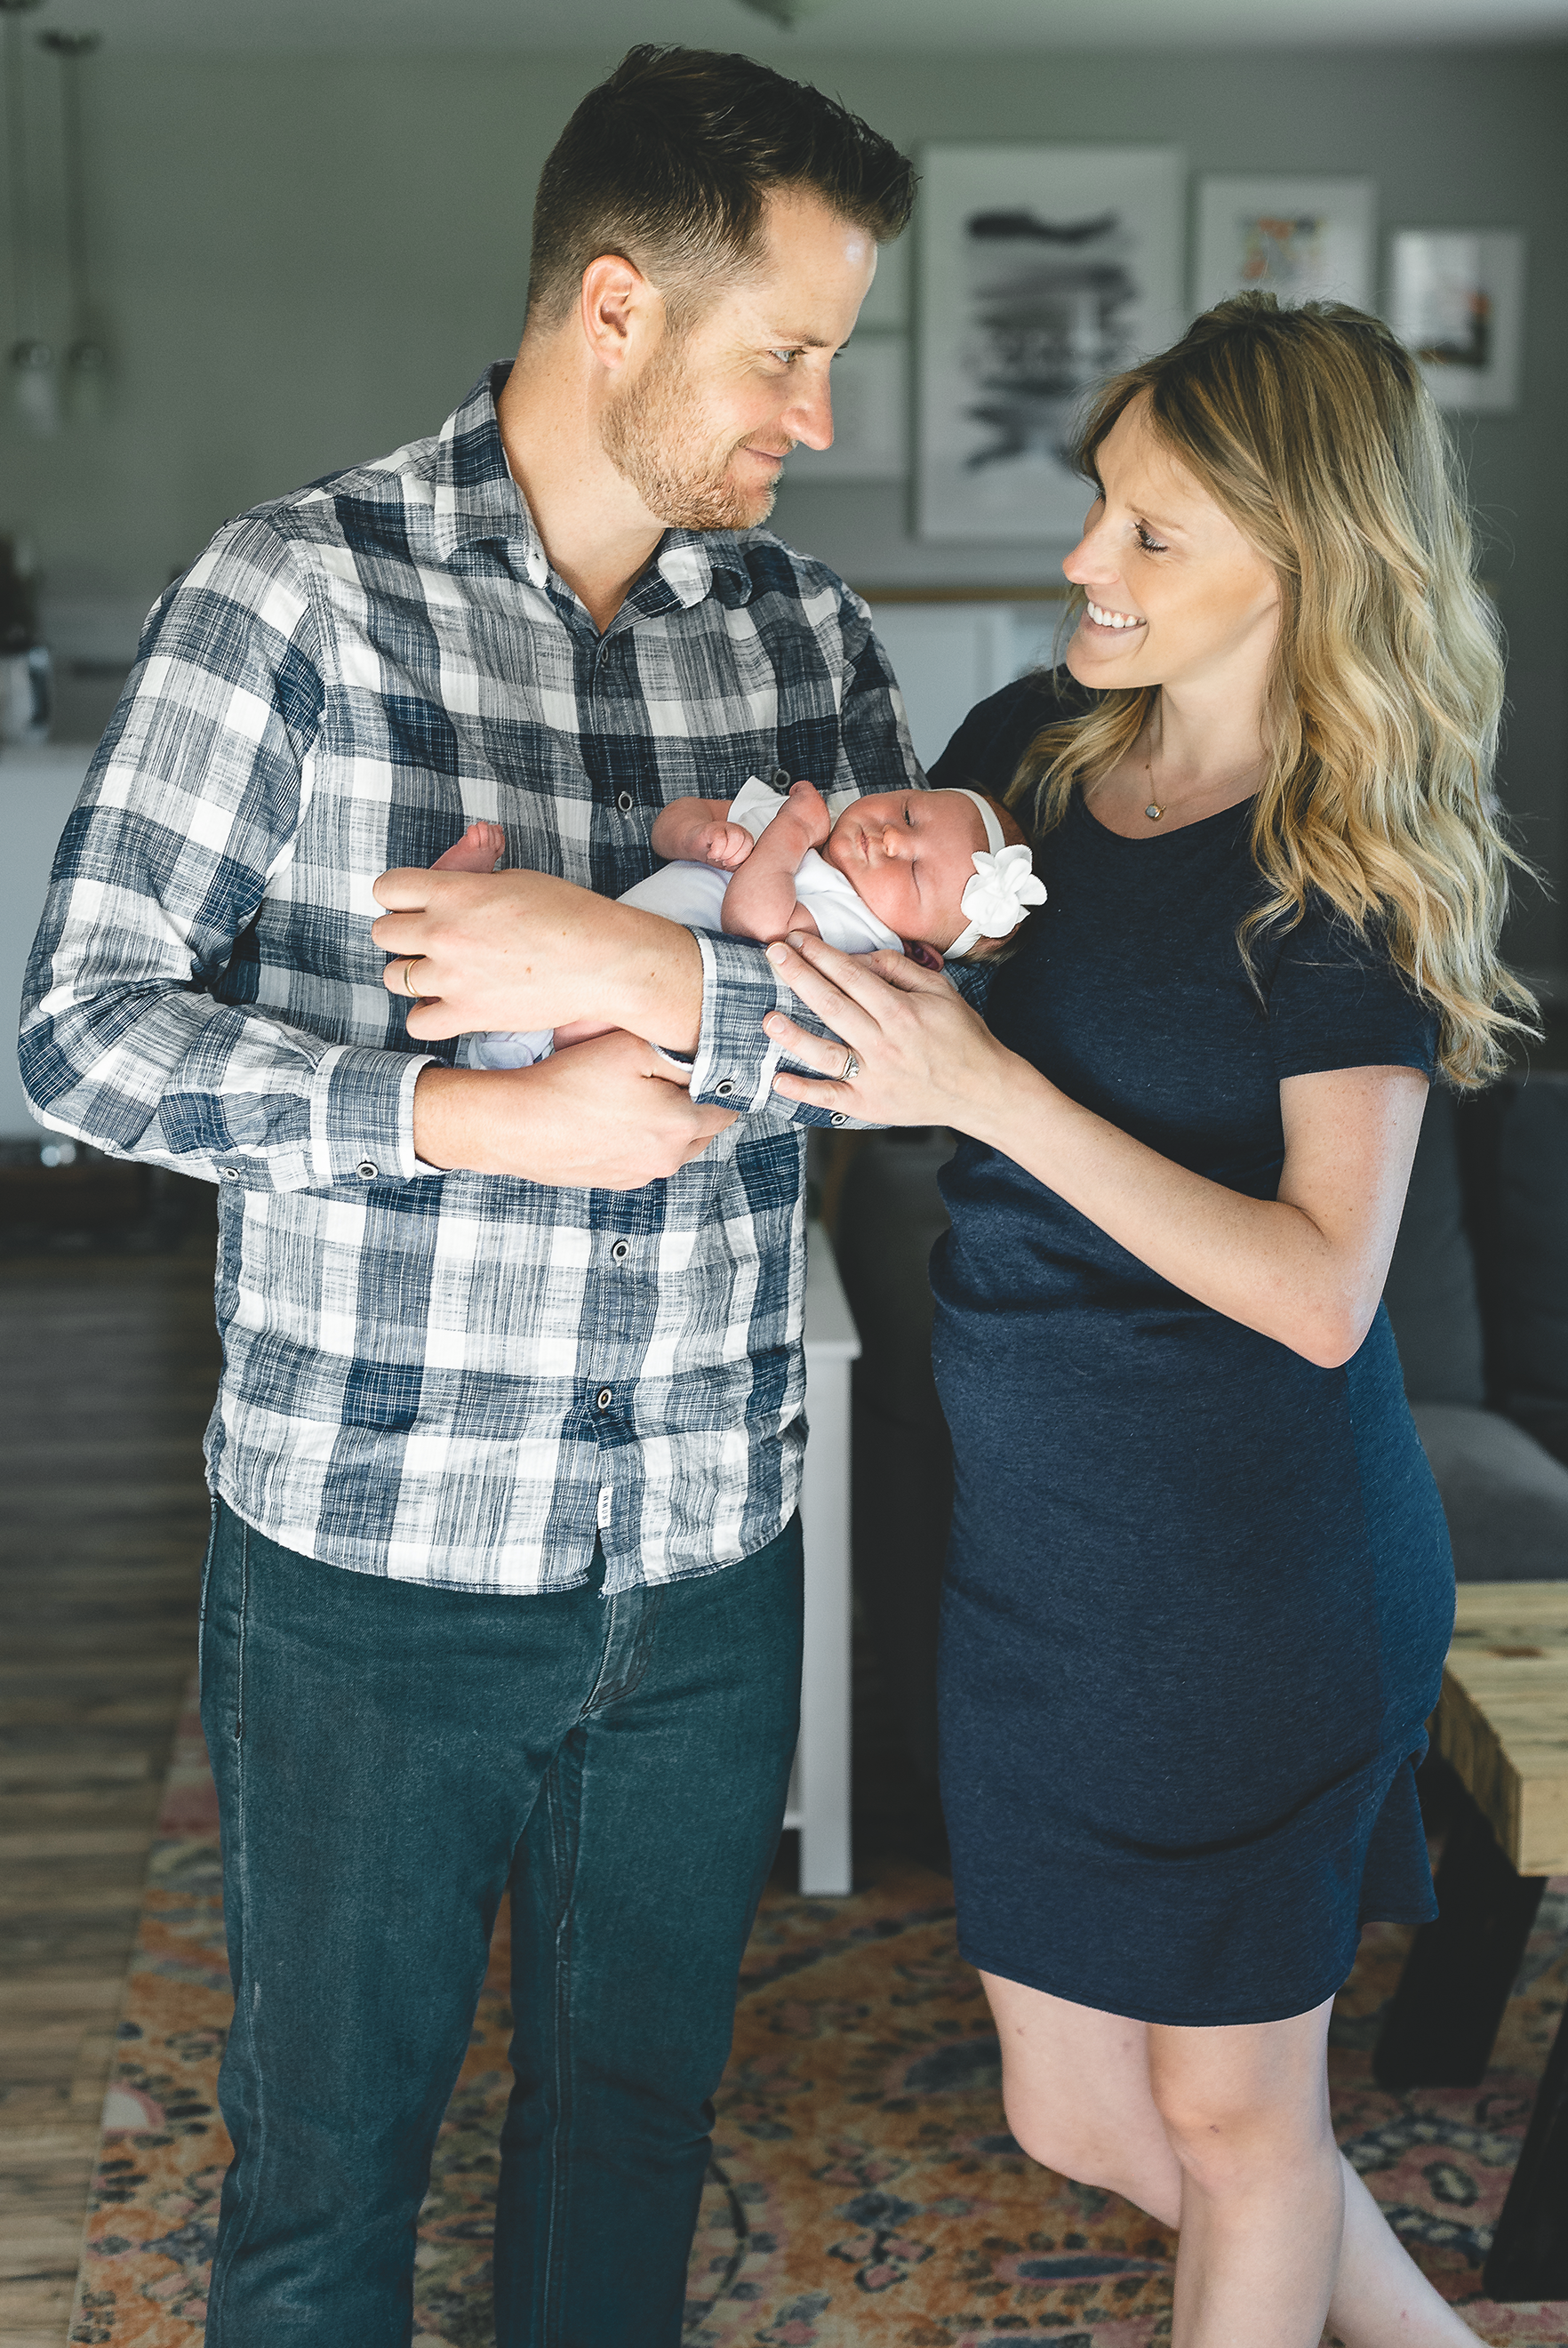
(924, 1056)
(521, 949)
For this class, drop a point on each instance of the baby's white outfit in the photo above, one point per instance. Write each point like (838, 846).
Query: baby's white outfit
(693, 895)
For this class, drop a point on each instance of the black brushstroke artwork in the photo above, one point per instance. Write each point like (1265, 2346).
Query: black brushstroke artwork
(1046, 327)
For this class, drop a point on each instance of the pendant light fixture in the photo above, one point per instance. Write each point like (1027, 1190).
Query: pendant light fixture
(787, 13)
(34, 388)
(86, 361)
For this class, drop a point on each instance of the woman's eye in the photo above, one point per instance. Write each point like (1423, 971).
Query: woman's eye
(1150, 544)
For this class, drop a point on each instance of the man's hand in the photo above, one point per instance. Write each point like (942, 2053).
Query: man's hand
(523, 950)
(605, 1115)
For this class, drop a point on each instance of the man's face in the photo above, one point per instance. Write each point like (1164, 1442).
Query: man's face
(702, 431)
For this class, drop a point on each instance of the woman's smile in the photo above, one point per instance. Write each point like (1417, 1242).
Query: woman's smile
(1119, 622)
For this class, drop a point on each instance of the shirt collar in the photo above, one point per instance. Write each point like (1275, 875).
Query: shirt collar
(475, 500)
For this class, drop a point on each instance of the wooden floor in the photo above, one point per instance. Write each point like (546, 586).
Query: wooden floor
(107, 1367)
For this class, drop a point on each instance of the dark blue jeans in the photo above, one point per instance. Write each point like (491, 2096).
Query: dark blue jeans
(389, 1757)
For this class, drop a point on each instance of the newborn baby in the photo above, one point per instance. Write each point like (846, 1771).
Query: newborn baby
(927, 873)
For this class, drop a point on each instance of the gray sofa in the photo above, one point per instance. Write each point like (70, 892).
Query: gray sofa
(1478, 1295)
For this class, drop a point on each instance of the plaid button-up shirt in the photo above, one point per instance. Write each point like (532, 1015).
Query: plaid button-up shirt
(452, 1378)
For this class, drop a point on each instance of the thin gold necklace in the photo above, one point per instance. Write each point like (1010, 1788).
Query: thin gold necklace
(1153, 810)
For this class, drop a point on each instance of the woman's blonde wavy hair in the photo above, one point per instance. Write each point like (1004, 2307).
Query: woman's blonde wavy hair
(1312, 430)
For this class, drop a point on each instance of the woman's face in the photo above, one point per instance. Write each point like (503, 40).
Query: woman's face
(1176, 594)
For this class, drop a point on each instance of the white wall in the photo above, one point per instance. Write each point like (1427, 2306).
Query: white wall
(303, 262)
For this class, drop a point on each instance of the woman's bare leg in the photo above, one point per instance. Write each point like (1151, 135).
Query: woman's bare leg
(1075, 2085)
(1263, 2205)
(1381, 2295)
(1275, 2225)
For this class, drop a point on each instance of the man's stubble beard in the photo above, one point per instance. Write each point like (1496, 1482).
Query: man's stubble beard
(651, 436)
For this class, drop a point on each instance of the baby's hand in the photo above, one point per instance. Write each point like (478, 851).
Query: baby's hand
(727, 845)
(480, 849)
(807, 804)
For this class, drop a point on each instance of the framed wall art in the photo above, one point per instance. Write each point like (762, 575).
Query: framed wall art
(870, 386)
(1457, 300)
(1305, 240)
(1042, 271)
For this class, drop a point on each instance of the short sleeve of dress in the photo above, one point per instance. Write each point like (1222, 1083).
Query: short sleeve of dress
(1337, 1001)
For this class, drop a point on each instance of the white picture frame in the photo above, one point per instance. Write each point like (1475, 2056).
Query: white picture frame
(869, 381)
(1456, 299)
(1306, 240)
(1041, 269)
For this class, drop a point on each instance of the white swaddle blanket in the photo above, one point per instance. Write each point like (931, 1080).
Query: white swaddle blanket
(693, 895)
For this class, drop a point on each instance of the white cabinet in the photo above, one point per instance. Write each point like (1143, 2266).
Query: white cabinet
(819, 1783)
(949, 656)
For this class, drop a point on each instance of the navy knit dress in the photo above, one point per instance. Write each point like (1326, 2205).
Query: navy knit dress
(1199, 1592)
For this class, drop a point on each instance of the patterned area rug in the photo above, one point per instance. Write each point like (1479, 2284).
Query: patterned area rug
(864, 2189)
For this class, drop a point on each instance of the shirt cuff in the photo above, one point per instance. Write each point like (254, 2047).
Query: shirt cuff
(734, 1064)
(735, 1061)
(362, 1116)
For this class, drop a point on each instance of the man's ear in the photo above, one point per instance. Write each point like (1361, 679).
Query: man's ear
(617, 306)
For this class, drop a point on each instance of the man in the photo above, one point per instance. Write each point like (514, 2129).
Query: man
(504, 1584)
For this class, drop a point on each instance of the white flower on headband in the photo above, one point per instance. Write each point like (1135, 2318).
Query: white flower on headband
(998, 897)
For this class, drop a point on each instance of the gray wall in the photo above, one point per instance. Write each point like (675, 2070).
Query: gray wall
(303, 262)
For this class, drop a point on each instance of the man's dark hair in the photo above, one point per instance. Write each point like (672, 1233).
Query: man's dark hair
(670, 161)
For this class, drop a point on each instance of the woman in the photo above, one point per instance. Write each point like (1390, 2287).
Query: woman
(1200, 1590)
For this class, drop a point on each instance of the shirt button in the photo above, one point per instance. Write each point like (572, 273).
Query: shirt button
(622, 1250)
(604, 1397)
(624, 802)
(839, 1117)
(724, 1087)
(367, 1169)
(231, 1173)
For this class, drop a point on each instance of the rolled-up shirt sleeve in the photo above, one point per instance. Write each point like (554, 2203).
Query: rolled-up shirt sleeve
(190, 813)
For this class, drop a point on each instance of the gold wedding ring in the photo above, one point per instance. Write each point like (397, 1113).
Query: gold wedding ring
(409, 986)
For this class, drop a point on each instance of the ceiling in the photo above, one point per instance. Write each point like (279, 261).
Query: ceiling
(237, 26)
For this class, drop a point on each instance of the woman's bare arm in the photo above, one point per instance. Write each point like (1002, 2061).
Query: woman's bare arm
(1305, 1268)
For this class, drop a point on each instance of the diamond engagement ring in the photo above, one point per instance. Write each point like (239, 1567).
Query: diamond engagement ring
(850, 1070)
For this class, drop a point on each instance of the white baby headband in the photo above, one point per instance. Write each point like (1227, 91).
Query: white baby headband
(1004, 886)
(987, 816)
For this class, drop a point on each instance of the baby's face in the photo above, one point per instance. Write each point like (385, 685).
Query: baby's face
(910, 856)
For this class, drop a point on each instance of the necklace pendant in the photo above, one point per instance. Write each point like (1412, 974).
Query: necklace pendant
(1153, 812)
